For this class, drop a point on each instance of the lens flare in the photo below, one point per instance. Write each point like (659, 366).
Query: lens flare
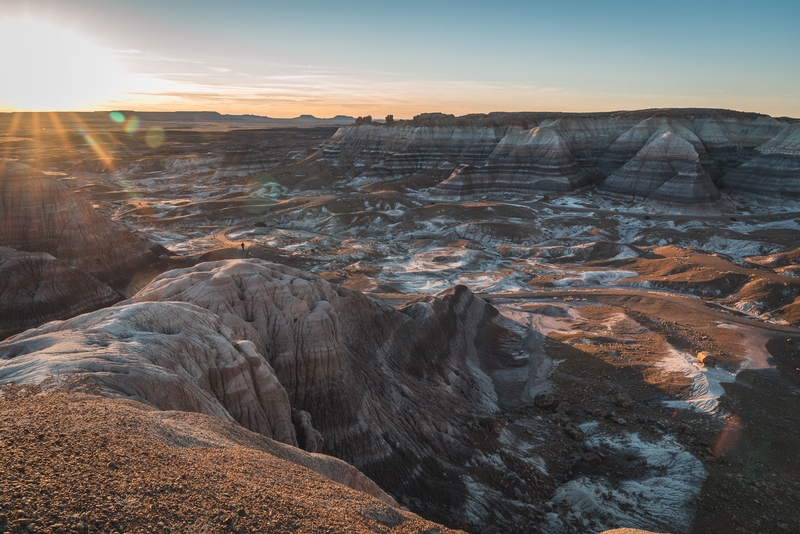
(117, 116)
(132, 126)
(728, 437)
(90, 140)
(154, 137)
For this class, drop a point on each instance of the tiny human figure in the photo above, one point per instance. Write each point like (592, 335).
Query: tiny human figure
(242, 247)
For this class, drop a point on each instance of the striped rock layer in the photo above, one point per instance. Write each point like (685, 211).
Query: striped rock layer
(376, 153)
(541, 153)
(40, 214)
(774, 170)
(666, 169)
(36, 288)
(535, 160)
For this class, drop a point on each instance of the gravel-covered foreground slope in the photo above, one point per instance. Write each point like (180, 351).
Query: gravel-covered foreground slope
(83, 463)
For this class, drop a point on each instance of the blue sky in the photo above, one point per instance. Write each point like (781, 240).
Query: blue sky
(287, 58)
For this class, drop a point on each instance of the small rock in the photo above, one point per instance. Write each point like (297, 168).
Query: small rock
(563, 418)
(574, 432)
(706, 358)
(544, 400)
(563, 407)
(623, 400)
(590, 458)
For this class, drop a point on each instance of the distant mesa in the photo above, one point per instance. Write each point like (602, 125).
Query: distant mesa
(624, 154)
(359, 369)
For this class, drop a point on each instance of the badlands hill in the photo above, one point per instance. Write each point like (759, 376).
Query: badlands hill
(289, 356)
(41, 214)
(673, 156)
(58, 256)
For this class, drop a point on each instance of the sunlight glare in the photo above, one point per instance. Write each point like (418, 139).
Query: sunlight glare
(48, 68)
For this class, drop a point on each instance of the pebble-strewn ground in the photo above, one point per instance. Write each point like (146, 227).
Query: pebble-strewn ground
(79, 463)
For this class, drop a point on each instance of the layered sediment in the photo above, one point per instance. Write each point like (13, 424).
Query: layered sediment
(41, 214)
(667, 169)
(36, 288)
(532, 161)
(774, 169)
(556, 153)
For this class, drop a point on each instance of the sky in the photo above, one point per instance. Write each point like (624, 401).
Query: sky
(283, 59)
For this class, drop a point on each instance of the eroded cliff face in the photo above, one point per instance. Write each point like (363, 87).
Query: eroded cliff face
(667, 168)
(397, 393)
(40, 214)
(774, 169)
(387, 389)
(173, 356)
(544, 153)
(531, 161)
(36, 288)
(374, 153)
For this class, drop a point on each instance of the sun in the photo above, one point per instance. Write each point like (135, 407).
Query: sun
(46, 68)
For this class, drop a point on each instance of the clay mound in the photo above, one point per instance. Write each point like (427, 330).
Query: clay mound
(377, 153)
(761, 297)
(730, 139)
(667, 169)
(499, 233)
(634, 140)
(598, 251)
(242, 163)
(391, 392)
(774, 169)
(40, 214)
(85, 463)
(173, 356)
(36, 288)
(533, 161)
